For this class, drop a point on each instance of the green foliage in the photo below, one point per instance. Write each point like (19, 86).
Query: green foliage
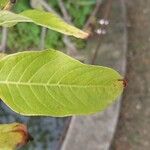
(23, 35)
(85, 2)
(21, 5)
(79, 11)
(29, 35)
(66, 86)
(3, 3)
(53, 39)
(54, 84)
(42, 18)
(53, 22)
(76, 10)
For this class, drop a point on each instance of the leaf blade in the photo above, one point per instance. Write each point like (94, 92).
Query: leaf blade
(13, 136)
(42, 18)
(52, 83)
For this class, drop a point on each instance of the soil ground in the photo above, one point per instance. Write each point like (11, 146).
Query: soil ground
(133, 132)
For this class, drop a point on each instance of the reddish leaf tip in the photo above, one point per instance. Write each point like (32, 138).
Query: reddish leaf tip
(124, 81)
(26, 137)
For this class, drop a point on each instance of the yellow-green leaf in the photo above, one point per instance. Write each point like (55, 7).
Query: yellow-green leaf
(13, 136)
(42, 18)
(53, 84)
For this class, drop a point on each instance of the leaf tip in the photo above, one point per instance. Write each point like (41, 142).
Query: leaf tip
(82, 34)
(22, 130)
(124, 82)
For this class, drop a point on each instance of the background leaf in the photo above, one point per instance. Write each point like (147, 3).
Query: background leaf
(52, 83)
(3, 3)
(13, 135)
(42, 18)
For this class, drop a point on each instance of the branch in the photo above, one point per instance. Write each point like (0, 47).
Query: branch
(42, 4)
(4, 29)
(4, 39)
(66, 16)
(102, 30)
(47, 6)
(71, 48)
(43, 35)
(90, 19)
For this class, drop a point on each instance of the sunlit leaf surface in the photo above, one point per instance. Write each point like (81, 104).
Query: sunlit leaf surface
(54, 84)
(42, 18)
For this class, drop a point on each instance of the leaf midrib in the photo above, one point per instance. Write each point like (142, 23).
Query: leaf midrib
(52, 84)
(15, 21)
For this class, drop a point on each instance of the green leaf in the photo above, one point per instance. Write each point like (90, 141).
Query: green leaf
(2, 55)
(86, 2)
(3, 3)
(42, 18)
(8, 19)
(53, 84)
(13, 136)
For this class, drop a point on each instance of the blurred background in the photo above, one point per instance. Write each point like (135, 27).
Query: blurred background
(26, 36)
(120, 39)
